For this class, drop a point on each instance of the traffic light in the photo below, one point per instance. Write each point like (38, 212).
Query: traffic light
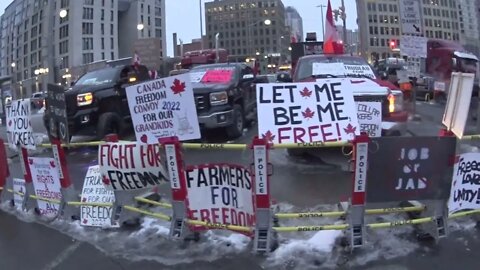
(392, 44)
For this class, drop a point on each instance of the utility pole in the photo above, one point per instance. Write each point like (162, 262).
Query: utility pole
(323, 21)
(344, 19)
(201, 22)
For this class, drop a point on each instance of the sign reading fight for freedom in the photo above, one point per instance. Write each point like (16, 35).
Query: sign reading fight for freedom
(220, 194)
(163, 108)
(465, 191)
(18, 188)
(131, 166)
(370, 118)
(95, 192)
(322, 111)
(46, 183)
(409, 168)
(19, 128)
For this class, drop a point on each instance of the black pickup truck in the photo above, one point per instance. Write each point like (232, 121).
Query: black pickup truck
(227, 101)
(97, 102)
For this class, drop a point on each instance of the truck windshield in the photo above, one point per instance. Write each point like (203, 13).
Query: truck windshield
(98, 77)
(338, 66)
(467, 64)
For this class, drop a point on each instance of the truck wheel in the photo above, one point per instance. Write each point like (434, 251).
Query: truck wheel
(236, 129)
(109, 123)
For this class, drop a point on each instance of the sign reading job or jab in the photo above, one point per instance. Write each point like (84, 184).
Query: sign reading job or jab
(163, 108)
(409, 168)
(322, 111)
(465, 191)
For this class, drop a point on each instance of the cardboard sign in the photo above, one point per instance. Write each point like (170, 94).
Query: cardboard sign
(359, 70)
(369, 116)
(196, 77)
(322, 111)
(410, 19)
(217, 76)
(57, 111)
(220, 194)
(19, 127)
(340, 69)
(409, 168)
(413, 46)
(131, 166)
(163, 108)
(46, 183)
(459, 94)
(95, 192)
(465, 191)
(18, 187)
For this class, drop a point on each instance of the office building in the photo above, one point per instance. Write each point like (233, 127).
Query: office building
(469, 25)
(248, 28)
(294, 22)
(44, 39)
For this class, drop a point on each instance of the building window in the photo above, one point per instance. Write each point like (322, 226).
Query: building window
(103, 56)
(103, 44)
(87, 28)
(158, 22)
(158, 33)
(111, 29)
(111, 43)
(63, 31)
(87, 13)
(87, 58)
(112, 56)
(64, 3)
(88, 2)
(33, 45)
(102, 15)
(102, 29)
(111, 15)
(63, 47)
(87, 44)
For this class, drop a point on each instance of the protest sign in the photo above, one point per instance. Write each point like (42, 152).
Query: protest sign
(322, 111)
(220, 194)
(95, 192)
(131, 166)
(163, 108)
(413, 46)
(409, 168)
(19, 128)
(18, 187)
(465, 191)
(46, 183)
(359, 71)
(196, 77)
(57, 112)
(369, 116)
(340, 69)
(218, 76)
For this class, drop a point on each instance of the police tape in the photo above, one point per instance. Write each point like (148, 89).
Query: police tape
(341, 213)
(339, 227)
(161, 204)
(148, 213)
(470, 137)
(90, 204)
(219, 226)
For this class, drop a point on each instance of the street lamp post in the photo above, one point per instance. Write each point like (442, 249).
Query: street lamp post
(267, 22)
(323, 23)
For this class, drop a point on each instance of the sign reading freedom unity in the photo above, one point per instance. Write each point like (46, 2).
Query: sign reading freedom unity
(465, 191)
(220, 194)
(322, 111)
(163, 108)
(131, 166)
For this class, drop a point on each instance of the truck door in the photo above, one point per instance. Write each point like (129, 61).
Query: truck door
(247, 84)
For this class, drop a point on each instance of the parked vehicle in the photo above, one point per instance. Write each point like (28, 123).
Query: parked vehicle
(227, 102)
(202, 57)
(38, 100)
(97, 102)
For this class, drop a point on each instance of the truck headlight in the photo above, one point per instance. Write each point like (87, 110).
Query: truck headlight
(219, 98)
(395, 101)
(84, 99)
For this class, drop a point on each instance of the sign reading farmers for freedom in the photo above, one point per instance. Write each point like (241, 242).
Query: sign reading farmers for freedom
(322, 111)
(465, 191)
(46, 182)
(95, 192)
(409, 168)
(220, 194)
(19, 128)
(163, 108)
(131, 166)
(369, 116)
(18, 188)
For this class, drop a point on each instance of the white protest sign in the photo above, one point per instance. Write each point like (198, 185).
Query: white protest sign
(196, 77)
(19, 127)
(220, 193)
(402, 76)
(322, 111)
(164, 108)
(413, 46)
(131, 166)
(18, 187)
(359, 70)
(439, 86)
(46, 183)
(370, 118)
(465, 191)
(410, 19)
(95, 192)
(340, 69)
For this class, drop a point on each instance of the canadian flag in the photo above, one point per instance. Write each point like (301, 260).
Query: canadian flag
(332, 43)
(136, 59)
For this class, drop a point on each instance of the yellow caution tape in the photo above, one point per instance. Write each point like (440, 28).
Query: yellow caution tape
(400, 223)
(213, 146)
(45, 199)
(312, 228)
(90, 204)
(15, 192)
(311, 145)
(470, 137)
(394, 210)
(465, 213)
(148, 213)
(161, 204)
(341, 213)
(219, 226)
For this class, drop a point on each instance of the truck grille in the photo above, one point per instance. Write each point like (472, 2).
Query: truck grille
(201, 102)
(71, 103)
(382, 99)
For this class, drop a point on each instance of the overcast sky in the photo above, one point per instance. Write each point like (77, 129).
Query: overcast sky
(183, 16)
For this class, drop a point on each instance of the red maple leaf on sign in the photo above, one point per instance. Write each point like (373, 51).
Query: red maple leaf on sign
(178, 87)
(52, 164)
(305, 92)
(350, 129)
(268, 136)
(308, 114)
(105, 180)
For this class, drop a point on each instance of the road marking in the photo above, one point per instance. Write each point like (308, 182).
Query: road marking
(62, 256)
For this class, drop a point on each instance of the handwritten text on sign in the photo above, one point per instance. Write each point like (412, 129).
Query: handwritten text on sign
(369, 116)
(465, 191)
(131, 166)
(220, 193)
(19, 128)
(46, 182)
(163, 108)
(18, 188)
(95, 192)
(322, 111)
